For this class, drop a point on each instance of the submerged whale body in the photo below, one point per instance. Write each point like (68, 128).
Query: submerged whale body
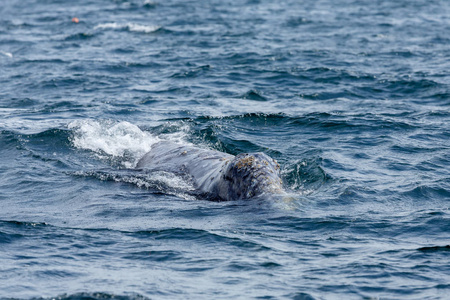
(216, 174)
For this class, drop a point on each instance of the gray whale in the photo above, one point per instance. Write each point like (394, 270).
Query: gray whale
(218, 175)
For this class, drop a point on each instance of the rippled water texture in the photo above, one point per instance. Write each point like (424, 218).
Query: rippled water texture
(350, 97)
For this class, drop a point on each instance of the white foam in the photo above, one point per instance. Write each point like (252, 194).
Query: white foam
(109, 26)
(143, 28)
(149, 2)
(111, 139)
(129, 26)
(7, 54)
(169, 183)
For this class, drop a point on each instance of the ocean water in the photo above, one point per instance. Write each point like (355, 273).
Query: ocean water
(351, 97)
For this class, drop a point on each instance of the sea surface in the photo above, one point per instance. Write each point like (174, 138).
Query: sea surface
(351, 97)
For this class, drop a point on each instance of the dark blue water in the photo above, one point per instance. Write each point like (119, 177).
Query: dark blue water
(352, 97)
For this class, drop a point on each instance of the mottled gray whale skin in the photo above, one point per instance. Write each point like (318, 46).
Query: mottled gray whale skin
(219, 175)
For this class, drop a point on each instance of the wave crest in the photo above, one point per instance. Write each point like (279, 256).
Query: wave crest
(129, 27)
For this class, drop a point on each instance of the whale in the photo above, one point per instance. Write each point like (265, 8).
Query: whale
(214, 174)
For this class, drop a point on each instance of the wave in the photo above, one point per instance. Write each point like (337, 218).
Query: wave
(79, 36)
(7, 54)
(434, 248)
(11, 230)
(129, 27)
(155, 182)
(254, 95)
(95, 296)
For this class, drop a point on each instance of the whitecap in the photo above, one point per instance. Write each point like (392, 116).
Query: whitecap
(8, 54)
(129, 26)
(143, 28)
(150, 3)
(109, 26)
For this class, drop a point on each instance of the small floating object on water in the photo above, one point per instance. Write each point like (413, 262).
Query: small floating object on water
(75, 20)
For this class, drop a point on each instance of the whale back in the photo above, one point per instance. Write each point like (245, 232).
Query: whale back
(202, 166)
(216, 174)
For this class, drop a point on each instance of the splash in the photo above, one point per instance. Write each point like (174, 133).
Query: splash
(121, 142)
